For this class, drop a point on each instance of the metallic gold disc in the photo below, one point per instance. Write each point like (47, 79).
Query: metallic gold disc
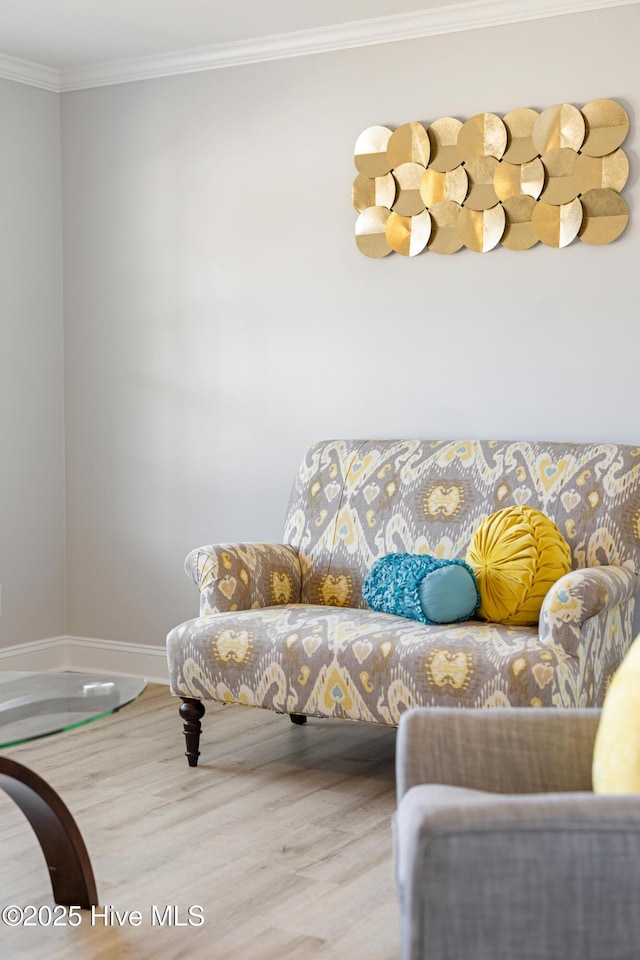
(370, 232)
(409, 144)
(554, 225)
(520, 145)
(408, 235)
(605, 216)
(607, 126)
(481, 230)
(408, 200)
(593, 173)
(518, 232)
(561, 184)
(370, 152)
(484, 135)
(444, 219)
(436, 187)
(373, 192)
(481, 172)
(519, 179)
(443, 136)
(557, 127)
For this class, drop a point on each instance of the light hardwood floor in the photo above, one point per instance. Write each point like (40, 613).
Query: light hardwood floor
(282, 835)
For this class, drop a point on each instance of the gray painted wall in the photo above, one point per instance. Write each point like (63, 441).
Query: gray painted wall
(31, 391)
(219, 318)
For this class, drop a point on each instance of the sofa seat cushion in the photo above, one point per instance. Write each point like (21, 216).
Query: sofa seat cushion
(359, 664)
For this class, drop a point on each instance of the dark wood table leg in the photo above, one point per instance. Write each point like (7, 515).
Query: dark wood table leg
(60, 838)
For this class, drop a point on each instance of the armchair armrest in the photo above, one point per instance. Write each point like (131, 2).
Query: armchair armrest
(546, 877)
(244, 576)
(515, 750)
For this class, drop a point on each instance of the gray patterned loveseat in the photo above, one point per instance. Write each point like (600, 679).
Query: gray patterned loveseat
(284, 626)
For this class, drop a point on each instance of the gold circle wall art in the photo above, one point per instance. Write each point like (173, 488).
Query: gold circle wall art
(518, 232)
(444, 227)
(519, 124)
(519, 179)
(408, 235)
(557, 225)
(481, 172)
(484, 135)
(597, 172)
(560, 184)
(408, 202)
(604, 216)
(436, 186)
(373, 192)
(443, 137)
(481, 230)
(371, 232)
(559, 127)
(607, 126)
(530, 176)
(370, 152)
(409, 144)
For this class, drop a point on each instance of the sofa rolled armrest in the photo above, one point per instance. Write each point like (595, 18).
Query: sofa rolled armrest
(512, 750)
(549, 877)
(244, 576)
(582, 594)
(584, 631)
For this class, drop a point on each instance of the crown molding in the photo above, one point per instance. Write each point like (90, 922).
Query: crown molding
(472, 15)
(33, 74)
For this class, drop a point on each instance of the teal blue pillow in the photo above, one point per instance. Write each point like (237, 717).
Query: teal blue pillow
(448, 594)
(422, 587)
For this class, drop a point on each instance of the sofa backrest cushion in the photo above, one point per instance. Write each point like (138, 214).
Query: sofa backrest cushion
(356, 500)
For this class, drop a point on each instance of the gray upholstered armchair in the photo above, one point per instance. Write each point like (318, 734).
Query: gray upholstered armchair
(502, 850)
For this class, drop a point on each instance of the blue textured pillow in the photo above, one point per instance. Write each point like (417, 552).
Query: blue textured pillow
(421, 587)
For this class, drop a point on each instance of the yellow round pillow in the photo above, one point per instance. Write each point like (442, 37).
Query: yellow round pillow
(616, 752)
(516, 556)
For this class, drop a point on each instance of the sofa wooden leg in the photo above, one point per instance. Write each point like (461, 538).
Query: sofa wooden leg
(298, 718)
(191, 711)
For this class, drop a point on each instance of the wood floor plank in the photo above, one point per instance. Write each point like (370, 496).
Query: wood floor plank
(282, 835)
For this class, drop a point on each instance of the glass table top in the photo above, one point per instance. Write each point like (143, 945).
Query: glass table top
(38, 704)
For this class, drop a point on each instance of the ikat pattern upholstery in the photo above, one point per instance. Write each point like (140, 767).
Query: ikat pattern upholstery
(284, 626)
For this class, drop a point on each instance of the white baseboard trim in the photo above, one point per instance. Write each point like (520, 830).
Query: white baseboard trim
(88, 655)
(113, 656)
(38, 655)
